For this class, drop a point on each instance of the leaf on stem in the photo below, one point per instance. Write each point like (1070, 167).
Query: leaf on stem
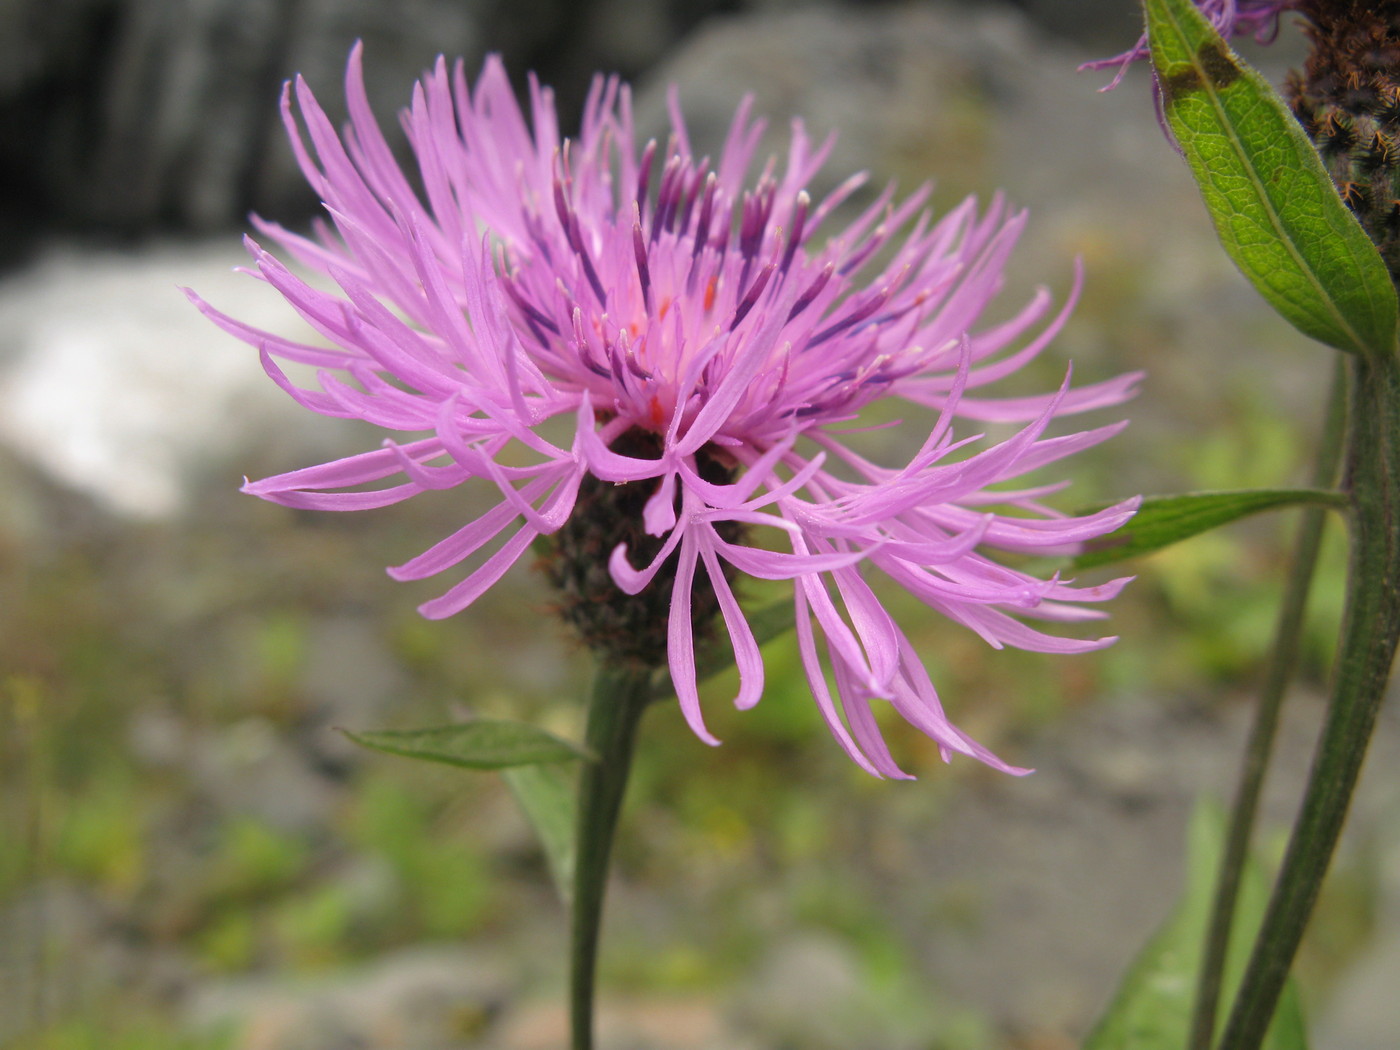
(1152, 1008)
(546, 794)
(481, 744)
(1275, 209)
(1163, 520)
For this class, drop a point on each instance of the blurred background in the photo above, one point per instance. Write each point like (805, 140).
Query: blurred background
(191, 857)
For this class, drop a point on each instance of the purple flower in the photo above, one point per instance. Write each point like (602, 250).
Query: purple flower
(1230, 18)
(654, 305)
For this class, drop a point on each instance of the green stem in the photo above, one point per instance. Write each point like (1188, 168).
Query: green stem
(620, 695)
(1283, 662)
(1370, 630)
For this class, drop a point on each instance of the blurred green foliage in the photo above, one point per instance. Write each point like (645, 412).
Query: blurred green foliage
(444, 887)
(120, 1028)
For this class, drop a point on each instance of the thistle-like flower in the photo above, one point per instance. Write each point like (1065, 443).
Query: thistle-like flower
(1231, 18)
(712, 360)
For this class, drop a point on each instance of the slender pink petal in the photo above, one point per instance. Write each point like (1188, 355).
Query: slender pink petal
(681, 648)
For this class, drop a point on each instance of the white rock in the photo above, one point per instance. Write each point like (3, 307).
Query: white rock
(113, 383)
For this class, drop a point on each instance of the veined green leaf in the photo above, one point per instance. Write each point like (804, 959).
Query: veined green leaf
(546, 794)
(1164, 520)
(1274, 207)
(481, 744)
(1152, 1008)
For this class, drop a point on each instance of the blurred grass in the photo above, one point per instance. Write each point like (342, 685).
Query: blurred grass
(119, 1027)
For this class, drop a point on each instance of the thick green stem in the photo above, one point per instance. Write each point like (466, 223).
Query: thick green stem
(1369, 632)
(620, 695)
(1283, 662)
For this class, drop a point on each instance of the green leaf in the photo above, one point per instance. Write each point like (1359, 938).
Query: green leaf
(767, 623)
(1152, 1008)
(1275, 209)
(546, 794)
(1164, 520)
(480, 744)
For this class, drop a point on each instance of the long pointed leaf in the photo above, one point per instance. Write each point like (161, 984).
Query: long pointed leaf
(1275, 209)
(1164, 520)
(546, 794)
(481, 744)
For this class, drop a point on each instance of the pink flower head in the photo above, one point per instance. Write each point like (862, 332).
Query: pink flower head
(648, 292)
(1231, 18)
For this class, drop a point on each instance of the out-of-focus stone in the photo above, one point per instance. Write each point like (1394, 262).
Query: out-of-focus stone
(802, 993)
(251, 768)
(113, 383)
(351, 678)
(661, 1023)
(62, 950)
(417, 999)
(901, 85)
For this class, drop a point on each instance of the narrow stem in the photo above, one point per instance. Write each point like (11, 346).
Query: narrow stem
(1283, 662)
(1370, 630)
(620, 695)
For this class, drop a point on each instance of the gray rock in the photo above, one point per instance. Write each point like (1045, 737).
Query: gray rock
(801, 991)
(351, 678)
(653, 1023)
(253, 768)
(62, 949)
(416, 999)
(113, 383)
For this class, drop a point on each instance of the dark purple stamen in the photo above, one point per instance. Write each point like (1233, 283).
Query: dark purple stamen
(751, 296)
(813, 290)
(568, 218)
(535, 227)
(532, 313)
(692, 193)
(799, 219)
(722, 245)
(639, 252)
(667, 197)
(860, 313)
(622, 351)
(702, 224)
(867, 248)
(584, 349)
(702, 231)
(577, 237)
(619, 368)
(757, 207)
(753, 221)
(888, 373)
(895, 315)
(644, 177)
